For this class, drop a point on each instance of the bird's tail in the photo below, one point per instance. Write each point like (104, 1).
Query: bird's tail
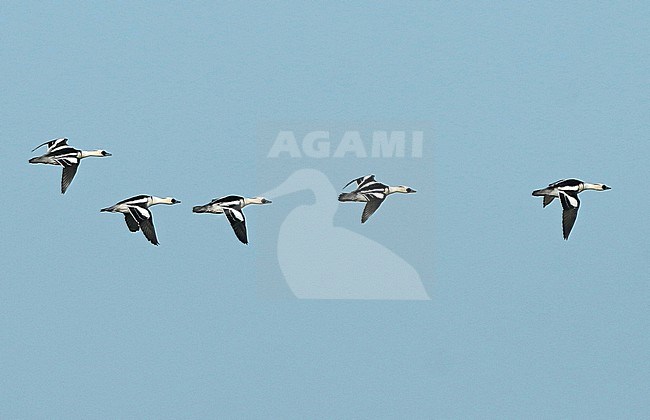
(199, 209)
(348, 197)
(543, 191)
(39, 159)
(107, 209)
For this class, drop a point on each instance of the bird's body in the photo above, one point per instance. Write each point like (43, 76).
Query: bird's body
(567, 191)
(372, 193)
(137, 214)
(61, 154)
(232, 206)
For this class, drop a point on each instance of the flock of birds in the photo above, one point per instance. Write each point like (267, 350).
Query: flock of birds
(368, 190)
(136, 209)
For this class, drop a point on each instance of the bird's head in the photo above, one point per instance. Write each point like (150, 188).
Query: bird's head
(404, 189)
(170, 200)
(260, 200)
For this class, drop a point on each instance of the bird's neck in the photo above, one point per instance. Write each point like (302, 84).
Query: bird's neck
(588, 186)
(158, 200)
(89, 153)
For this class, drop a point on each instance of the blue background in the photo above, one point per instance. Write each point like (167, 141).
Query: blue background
(97, 323)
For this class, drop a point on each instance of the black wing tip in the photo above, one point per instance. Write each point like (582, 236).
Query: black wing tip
(154, 240)
(243, 238)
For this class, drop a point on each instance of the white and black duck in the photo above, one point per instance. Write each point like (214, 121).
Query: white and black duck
(567, 191)
(232, 206)
(371, 192)
(137, 214)
(61, 154)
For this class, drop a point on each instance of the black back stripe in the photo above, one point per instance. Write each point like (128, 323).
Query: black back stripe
(229, 201)
(136, 200)
(566, 183)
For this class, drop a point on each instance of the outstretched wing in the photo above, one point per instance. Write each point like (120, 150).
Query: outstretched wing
(70, 166)
(374, 201)
(237, 221)
(570, 206)
(131, 223)
(362, 181)
(547, 200)
(144, 218)
(53, 144)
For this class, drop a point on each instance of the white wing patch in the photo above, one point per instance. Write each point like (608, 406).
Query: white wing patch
(570, 200)
(139, 213)
(237, 214)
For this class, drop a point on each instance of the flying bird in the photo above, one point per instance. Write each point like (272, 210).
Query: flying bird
(60, 153)
(372, 193)
(137, 214)
(232, 206)
(567, 191)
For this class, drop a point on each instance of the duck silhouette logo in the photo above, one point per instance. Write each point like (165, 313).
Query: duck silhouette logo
(321, 261)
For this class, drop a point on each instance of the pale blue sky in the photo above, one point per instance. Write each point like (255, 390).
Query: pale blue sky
(97, 323)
